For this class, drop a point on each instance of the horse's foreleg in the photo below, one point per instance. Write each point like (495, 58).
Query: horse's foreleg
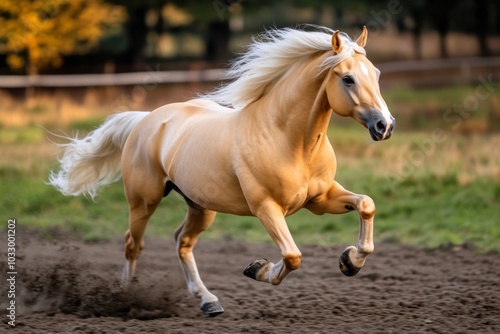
(186, 236)
(339, 200)
(261, 270)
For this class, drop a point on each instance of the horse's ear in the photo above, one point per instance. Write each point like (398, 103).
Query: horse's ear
(361, 41)
(336, 42)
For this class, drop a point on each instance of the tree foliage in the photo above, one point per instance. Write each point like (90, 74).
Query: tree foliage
(39, 33)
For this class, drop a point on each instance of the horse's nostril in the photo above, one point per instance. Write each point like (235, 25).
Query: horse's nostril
(380, 126)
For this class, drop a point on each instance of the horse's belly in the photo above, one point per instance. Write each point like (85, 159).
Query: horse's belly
(214, 192)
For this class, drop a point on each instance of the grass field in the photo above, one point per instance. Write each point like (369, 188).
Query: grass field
(430, 190)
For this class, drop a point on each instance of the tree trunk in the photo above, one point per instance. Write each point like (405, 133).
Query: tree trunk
(217, 45)
(137, 31)
(32, 78)
(439, 13)
(481, 11)
(443, 50)
(417, 44)
(418, 20)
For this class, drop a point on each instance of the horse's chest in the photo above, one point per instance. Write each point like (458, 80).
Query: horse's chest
(296, 197)
(295, 201)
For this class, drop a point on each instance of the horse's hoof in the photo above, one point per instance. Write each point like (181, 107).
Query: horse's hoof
(253, 268)
(212, 309)
(345, 264)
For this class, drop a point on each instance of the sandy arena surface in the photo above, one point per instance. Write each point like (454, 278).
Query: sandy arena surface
(67, 286)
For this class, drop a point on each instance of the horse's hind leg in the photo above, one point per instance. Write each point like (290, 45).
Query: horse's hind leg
(134, 242)
(186, 236)
(144, 193)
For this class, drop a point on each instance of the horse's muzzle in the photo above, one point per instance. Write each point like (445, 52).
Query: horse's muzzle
(380, 128)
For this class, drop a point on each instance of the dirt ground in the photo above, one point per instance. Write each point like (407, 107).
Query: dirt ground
(67, 286)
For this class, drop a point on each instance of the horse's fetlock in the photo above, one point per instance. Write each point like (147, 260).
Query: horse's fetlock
(193, 289)
(275, 281)
(292, 261)
(366, 248)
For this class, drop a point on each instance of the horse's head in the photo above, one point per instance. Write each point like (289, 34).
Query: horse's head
(353, 90)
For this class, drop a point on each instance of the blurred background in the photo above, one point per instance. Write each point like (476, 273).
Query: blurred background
(65, 65)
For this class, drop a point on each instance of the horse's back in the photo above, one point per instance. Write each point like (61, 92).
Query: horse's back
(179, 118)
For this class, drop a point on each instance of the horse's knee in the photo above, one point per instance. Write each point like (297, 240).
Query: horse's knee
(366, 207)
(292, 261)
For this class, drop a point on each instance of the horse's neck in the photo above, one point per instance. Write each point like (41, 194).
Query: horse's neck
(296, 106)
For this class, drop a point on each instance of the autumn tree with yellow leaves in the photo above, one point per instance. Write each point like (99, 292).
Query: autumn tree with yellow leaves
(37, 33)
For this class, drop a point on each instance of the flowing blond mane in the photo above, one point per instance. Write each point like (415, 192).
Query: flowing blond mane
(269, 57)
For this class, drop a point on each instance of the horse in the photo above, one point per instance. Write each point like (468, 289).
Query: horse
(255, 146)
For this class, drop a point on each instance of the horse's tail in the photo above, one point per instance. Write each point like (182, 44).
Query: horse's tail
(94, 161)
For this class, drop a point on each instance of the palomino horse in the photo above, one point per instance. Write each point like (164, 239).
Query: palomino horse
(256, 146)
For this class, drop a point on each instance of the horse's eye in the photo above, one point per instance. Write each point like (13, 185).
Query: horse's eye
(348, 80)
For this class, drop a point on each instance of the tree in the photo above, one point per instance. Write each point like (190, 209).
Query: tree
(214, 17)
(136, 28)
(440, 14)
(481, 15)
(37, 34)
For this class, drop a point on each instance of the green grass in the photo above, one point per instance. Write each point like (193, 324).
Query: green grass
(30, 134)
(87, 125)
(425, 108)
(447, 95)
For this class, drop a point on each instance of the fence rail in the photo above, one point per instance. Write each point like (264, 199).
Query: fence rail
(426, 70)
(111, 79)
